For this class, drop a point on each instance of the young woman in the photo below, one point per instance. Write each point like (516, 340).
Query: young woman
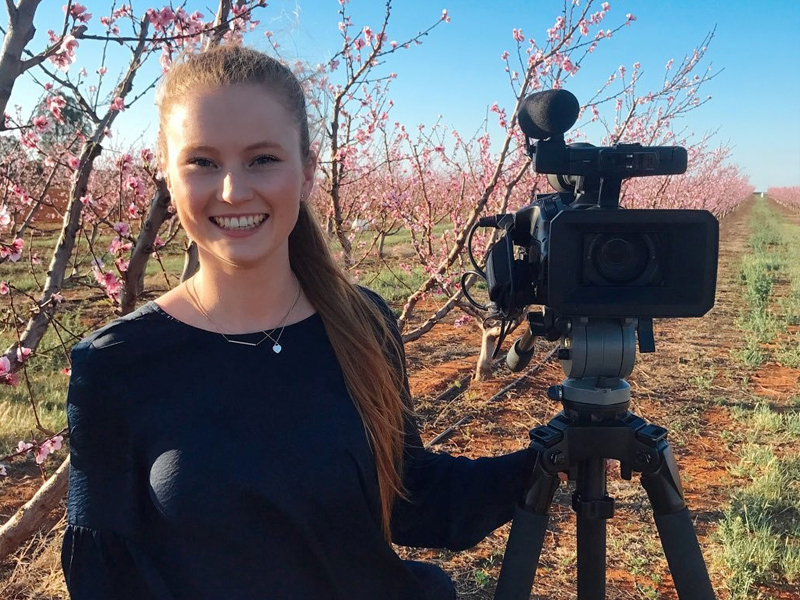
(249, 434)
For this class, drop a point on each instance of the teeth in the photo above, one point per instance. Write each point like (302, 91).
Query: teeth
(248, 222)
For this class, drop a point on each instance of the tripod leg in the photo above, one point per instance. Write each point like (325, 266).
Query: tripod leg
(526, 538)
(592, 507)
(675, 528)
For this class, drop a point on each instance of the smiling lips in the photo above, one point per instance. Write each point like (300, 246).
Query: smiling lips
(244, 222)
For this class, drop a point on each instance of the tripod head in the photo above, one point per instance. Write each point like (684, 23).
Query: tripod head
(596, 354)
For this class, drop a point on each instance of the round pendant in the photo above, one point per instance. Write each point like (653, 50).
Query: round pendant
(277, 348)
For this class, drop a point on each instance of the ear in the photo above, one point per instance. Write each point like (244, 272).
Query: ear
(309, 170)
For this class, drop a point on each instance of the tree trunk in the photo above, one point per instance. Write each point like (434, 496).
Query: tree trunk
(145, 245)
(20, 32)
(381, 241)
(488, 344)
(29, 519)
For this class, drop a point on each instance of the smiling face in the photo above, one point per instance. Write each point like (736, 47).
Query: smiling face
(235, 151)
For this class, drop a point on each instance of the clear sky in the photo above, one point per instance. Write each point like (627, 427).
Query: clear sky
(457, 71)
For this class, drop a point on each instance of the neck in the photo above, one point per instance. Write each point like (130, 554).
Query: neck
(245, 300)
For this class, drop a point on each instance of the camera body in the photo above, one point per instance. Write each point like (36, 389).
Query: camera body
(583, 260)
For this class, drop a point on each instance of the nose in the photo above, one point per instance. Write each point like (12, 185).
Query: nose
(236, 187)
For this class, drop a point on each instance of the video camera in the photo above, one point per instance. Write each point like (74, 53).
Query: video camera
(582, 255)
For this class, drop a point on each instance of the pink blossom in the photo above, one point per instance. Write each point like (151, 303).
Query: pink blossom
(118, 246)
(517, 35)
(125, 161)
(78, 12)
(583, 27)
(117, 104)
(102, 71)
(445, 16)
(568, 66)
(57, 297)
(41, 453)
(12, 252)
(55, 104)
(133, 211)
(73, 161)
(4, 289)
(24, 446)
(66, 53)
(463, 320)
(630, 18)
(605, 6)
(108, 281)
(29, 139)
(23, 353)
(161, 19)
(41, 124)
(87, 199)
(147, 156)
(66, 371)
(133, 183)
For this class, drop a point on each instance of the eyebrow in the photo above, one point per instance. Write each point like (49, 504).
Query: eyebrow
(265, 144)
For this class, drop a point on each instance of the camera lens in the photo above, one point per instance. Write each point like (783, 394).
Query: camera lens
(620, 258)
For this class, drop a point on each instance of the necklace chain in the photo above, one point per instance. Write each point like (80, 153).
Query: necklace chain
(276, 346)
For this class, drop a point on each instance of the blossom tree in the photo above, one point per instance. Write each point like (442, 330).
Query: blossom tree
(788, 196)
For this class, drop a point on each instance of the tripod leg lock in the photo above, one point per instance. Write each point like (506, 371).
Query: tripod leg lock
(593, 509)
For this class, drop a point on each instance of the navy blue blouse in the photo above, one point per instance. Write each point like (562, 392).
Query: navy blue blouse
(202, 469)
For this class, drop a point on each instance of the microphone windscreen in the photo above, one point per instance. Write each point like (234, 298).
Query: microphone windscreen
(545, 114)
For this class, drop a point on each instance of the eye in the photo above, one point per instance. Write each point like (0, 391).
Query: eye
(197, 161)
(265, 159)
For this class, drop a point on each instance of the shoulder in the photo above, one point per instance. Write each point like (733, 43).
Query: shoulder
(378, 301)
(117, 337)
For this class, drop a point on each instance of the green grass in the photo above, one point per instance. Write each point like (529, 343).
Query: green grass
(48, 386)
(774, 243)
(760, 529)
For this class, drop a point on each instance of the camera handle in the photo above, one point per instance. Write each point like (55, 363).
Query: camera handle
(596, 425)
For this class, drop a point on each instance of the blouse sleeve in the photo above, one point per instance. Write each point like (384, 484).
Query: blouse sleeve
(453, 502)
(101, 555)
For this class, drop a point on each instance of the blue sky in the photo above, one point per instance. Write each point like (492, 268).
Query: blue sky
(457, 71)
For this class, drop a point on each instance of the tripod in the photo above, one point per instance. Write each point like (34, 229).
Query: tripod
(595, 425)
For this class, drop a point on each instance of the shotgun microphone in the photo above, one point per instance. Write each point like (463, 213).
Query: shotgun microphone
(543, 115)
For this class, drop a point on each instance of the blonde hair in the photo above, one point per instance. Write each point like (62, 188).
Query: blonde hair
(368, 351)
